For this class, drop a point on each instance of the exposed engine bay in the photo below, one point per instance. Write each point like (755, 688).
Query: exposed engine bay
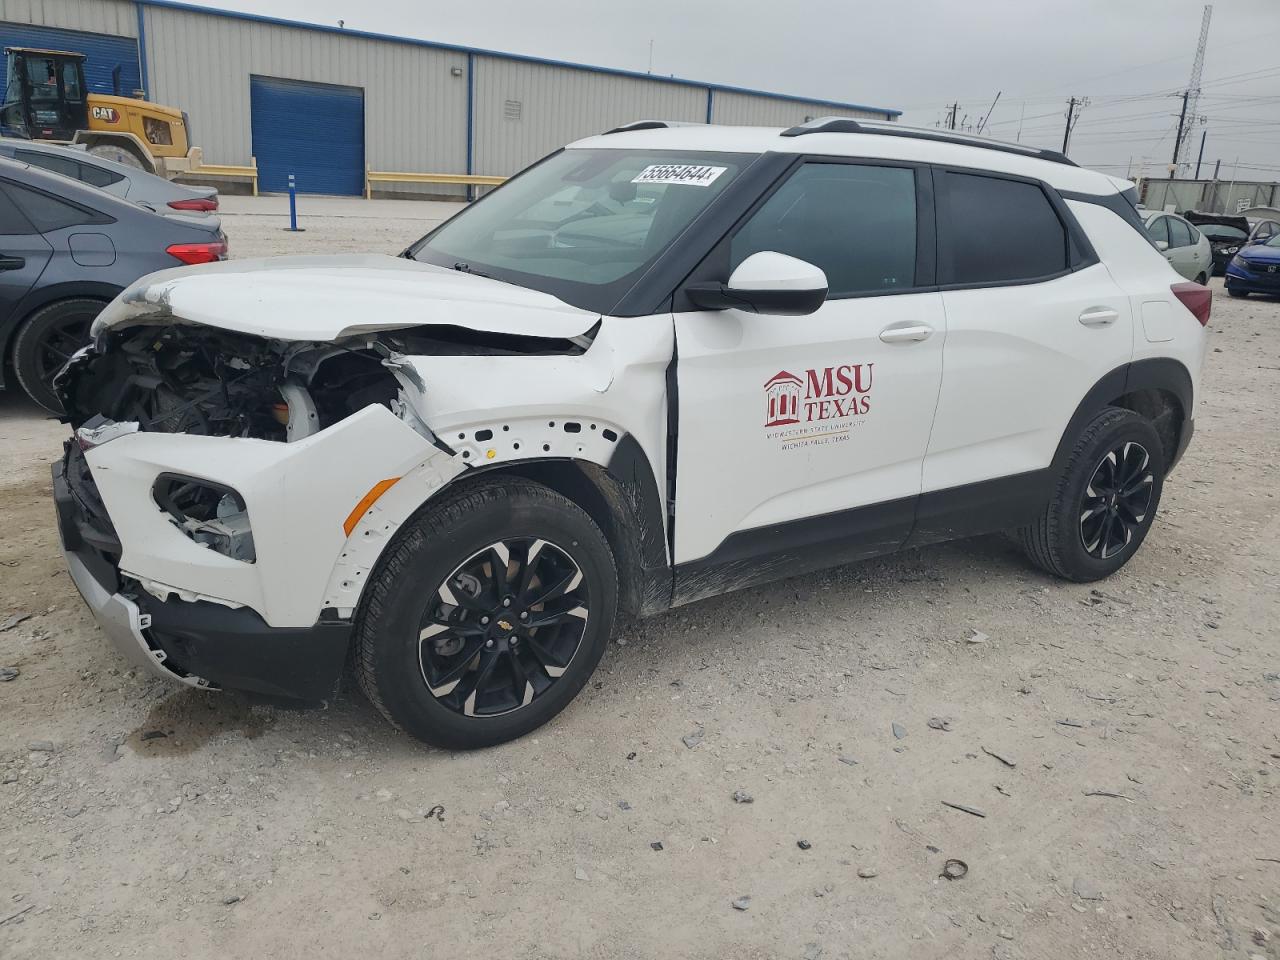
(185, 378)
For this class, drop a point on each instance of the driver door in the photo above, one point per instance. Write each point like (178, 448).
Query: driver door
(801, 439)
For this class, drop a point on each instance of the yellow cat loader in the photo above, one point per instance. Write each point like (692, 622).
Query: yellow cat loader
(46, 98)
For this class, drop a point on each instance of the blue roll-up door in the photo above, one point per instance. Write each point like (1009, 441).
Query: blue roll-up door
(103, 54)
(313, 130)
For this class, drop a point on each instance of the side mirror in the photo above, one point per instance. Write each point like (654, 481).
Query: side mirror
(766, 282)
(1162, 245)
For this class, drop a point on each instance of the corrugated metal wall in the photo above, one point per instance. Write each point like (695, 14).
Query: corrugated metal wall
(742, 109)
(557, 105)
(415, 109)
(115, 17)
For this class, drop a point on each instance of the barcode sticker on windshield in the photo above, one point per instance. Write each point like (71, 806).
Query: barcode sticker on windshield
(692, 174)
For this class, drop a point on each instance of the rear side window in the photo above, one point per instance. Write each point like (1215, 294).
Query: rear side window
(49, 161)
(1179, 235)
(12, 223)
(1159, 229)
(1001, 231)
(855, 221)
(49, 213)
(98, 177)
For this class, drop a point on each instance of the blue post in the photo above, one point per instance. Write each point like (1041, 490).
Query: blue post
(293, 206)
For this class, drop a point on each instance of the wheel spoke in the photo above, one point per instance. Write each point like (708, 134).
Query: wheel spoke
(566, 583)
(445, 684)
(488, 660)
(545, 660)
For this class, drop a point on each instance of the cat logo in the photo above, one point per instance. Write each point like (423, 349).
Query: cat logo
(106, 114)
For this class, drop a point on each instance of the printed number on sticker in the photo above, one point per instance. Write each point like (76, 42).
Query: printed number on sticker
(692, 174)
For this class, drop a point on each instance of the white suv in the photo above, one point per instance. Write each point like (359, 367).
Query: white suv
(661, 364)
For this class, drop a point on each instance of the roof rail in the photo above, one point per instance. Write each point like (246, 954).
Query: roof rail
(846, 125)
(651, 125)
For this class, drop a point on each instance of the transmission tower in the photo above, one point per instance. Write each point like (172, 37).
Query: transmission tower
(1193, 85)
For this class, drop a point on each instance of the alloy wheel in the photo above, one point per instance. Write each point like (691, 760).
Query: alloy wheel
(1116, 501)
(503, 627)
(59, 343)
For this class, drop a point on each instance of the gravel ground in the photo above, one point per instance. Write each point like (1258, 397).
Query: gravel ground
(1116, 745)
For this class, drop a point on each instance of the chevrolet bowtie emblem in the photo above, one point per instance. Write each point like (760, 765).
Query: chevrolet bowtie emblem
(504, 625)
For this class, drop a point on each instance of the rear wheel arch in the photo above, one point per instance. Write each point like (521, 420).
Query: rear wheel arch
(1158, 389)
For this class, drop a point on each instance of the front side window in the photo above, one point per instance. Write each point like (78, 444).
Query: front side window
(1000, 231)
(583, 224)
(855, 221)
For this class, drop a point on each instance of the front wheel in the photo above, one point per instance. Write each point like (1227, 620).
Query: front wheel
(1104, 501)
(487, 616)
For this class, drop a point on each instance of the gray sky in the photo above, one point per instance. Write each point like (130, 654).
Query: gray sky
(1128, 56)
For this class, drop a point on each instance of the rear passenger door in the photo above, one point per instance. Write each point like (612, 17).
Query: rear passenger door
(24, 253)
(1033, 322)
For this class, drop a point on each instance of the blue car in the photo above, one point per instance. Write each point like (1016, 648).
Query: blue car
(1255, 269)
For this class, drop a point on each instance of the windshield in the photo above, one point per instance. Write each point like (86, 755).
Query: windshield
(1273, 242)
(582, 225)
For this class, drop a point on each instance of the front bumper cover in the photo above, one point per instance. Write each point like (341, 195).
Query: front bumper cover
(197, 644)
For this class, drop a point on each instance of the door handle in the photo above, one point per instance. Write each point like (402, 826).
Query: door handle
(909, 333)
(11, 263)
(1099, 317)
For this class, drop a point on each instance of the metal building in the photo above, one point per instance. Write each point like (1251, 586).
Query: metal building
(328, 104)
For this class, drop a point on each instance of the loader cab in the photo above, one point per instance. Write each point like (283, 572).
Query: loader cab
(45, 97)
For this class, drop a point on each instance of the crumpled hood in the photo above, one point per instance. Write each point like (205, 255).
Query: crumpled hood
(331, 297)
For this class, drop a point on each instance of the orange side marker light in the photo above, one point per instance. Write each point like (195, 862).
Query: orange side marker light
(367, 501)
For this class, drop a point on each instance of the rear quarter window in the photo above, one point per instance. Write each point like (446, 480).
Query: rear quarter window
(1000, 231)
(47, 212)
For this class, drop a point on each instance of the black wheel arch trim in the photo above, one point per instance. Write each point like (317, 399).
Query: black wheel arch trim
(624, 499)
(1155, 373)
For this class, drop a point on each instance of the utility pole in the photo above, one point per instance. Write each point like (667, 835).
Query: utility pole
(1177, 142)
(983, 122)
(1071, 119)
(1200, 157)
(1192, 102)
(951, 120)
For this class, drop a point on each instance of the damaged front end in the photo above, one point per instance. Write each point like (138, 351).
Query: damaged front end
(214, 501)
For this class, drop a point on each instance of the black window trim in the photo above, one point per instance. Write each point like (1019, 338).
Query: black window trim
(1081, 254)
(714, 265)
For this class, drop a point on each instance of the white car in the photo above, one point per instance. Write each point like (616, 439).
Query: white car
(719, 356)
(1187, 249)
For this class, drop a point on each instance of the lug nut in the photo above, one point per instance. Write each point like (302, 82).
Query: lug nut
(506, 601)
(488, 644)
(484, 621)
(524, 614)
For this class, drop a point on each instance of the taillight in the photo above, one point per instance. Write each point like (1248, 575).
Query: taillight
(1196, 298)
(202, 204)
(192, 253)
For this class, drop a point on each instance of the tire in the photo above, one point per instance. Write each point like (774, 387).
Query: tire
(1238, 294)
(1203, 279)
(1062, 541)
(46, 340)
(519, 676)
(125, 155)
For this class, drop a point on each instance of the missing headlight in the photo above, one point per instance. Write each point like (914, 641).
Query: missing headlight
(209, 513)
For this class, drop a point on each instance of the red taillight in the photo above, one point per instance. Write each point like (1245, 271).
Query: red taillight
(1196, 298)
(192, 253)
(202, 204)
